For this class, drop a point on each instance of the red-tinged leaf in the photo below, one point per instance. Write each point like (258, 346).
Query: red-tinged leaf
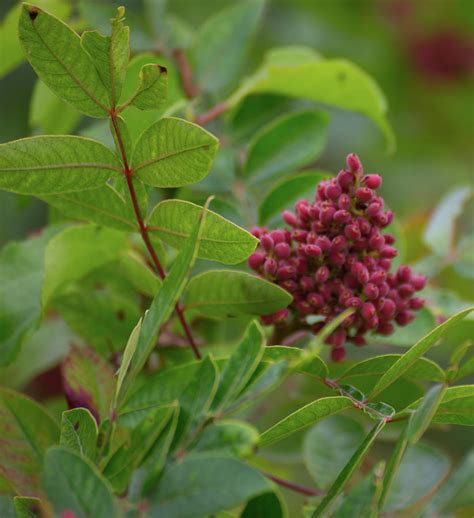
(88, 381)
(26, 431)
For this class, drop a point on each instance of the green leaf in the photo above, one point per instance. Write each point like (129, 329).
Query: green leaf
(351, 466)
(151, 470)
(456, 406)
(159, 389)
(49, 114)
(139, 274)
(166, 299)
(421, 369)
(110, 55)
(173, 152)
(227, 293)
(50, 165)
(27, 507)
(456, 491)
(72, 483)
(197, 397)
(421, 418)
(221, 240)
(76, 252)
(7, 508)
(304, 417)
(79, 432)
(266, 378)
(21, 271)
(88, 381)
(335, 82)
(361, 500)
(421, 470)
(415, 352)
(440, 232)
(221, 44)
(241, 365)
(120, 466)
(104, 318)
(128, 354)
(288, 191)
(268, 505)
(188, 488)
(228, 436)
(103, 206)
(286, 144)
(11, 53)
(54, 51)
(329, 445)
(41, 351)
(464, 264)
(26, 431)
(300, 360)
(152, 90)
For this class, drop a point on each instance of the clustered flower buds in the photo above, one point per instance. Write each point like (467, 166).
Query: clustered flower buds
(335, 256)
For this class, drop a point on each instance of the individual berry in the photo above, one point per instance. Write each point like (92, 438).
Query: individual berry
(267, 242)
(338, 354)
(373, 181)
(289, 218)
(256, 260)
(353, 163)
(282, 250)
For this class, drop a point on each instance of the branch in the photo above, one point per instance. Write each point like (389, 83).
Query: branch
(128, 172)
(298, 488)
(190, 88)
(211, 114)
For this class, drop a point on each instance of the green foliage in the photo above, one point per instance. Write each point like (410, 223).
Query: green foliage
(72, 483)
(226, 293)
(56, 164)
(26, 431)
(221, 240)
(172, 153)
(149, 429)
(289, 142)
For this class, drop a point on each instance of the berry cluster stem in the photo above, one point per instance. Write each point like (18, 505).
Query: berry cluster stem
(128, 173)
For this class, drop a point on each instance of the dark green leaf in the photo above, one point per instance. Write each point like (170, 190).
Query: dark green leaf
(420, 471)
(348, 470)
(268, 505)
(188, 488)
(221, 44)
(240, 367)
(27, 507)
(286, 192)
(329, 445)
(286, 144)
(72, 483)
(226, 293)
(221, 240)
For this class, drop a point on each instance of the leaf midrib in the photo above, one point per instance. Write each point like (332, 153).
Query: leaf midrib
(184, 235)
(66, 68)
(86, 165)
(171, 155)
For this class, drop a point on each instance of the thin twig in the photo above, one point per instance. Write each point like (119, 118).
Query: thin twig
(211, 114)
(128, 172)
(190, 88)
(298, 488)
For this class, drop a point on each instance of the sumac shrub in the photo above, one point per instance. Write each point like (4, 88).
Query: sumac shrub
(162, 337)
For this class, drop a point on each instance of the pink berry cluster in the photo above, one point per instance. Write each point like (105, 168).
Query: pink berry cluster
(335, 256)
